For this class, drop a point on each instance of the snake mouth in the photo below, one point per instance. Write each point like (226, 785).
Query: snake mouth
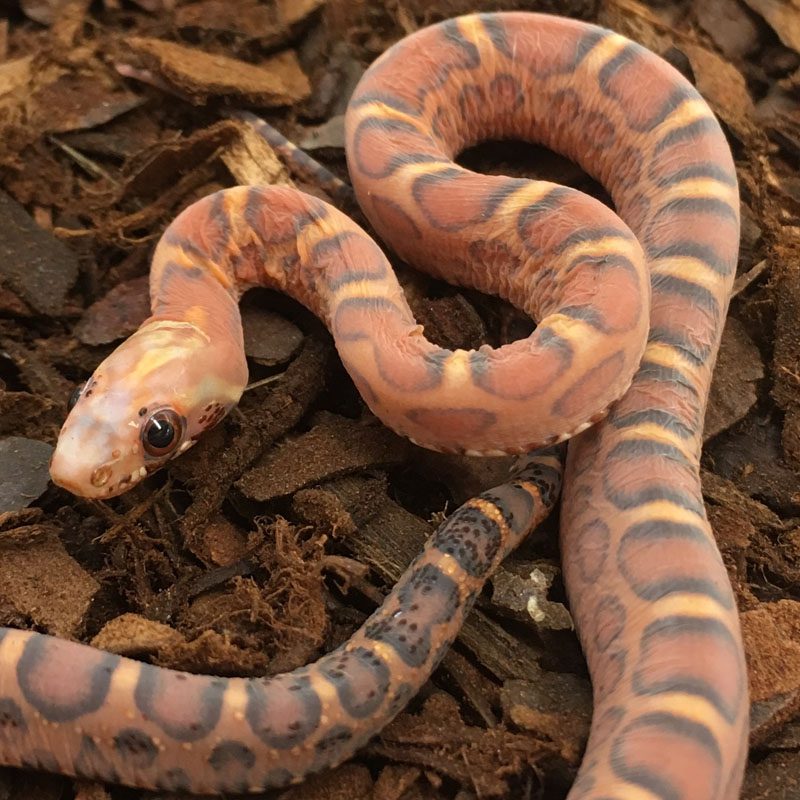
(127, 482)
(88, 490)
(75, 470)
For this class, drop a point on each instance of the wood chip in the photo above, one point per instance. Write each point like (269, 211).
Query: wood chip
(252, 162)
(83, 102)
(270, 24)
(269, 338)
(745, 279)
(526, 595)
(278, 81)
(46, 584)
(36, 265)
(772, 641)
(723, 87)
(784, 18)
(116, 315)
(555, 706)
(776, 777)
(730, 25)
(333, 447)
(135, 636)
(733, 385)
(88, 790)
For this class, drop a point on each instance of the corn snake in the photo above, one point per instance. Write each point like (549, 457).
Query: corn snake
(648, 590)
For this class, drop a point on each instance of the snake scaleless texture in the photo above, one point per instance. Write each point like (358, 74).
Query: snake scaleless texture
(648, 589)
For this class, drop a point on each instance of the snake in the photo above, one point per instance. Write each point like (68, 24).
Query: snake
(629, 306)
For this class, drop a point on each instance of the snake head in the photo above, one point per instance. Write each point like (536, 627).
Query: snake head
(147, 403)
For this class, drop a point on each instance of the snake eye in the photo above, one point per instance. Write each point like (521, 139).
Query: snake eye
(74, 397)
(162, 433)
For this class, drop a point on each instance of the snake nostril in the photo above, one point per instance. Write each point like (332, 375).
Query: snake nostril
(101, 476)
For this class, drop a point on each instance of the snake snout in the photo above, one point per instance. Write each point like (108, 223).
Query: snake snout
(79, 466)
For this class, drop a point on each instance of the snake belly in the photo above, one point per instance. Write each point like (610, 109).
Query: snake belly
(648, 589)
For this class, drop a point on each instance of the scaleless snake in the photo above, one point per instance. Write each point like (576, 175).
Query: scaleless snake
(648, 589)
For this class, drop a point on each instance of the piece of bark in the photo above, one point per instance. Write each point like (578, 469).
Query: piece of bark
(278, 81)
(46, 584)
(334, 446)
(733, 386)
(36, 265)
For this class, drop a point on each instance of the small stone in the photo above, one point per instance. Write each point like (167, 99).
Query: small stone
(25, 471)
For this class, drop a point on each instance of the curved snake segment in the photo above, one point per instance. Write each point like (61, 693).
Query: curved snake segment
(122, 721)
(648, 589)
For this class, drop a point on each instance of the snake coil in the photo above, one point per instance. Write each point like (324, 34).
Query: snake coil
(648, 589)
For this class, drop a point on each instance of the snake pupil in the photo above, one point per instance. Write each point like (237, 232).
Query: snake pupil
(162, 433)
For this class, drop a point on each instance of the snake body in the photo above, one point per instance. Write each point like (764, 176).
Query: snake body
(648, 589)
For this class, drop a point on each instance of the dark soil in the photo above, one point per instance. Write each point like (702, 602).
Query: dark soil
(275, 537)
